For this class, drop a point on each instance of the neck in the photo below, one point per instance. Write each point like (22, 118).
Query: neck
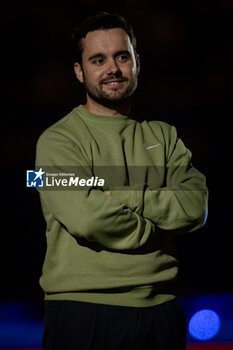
(96, 108)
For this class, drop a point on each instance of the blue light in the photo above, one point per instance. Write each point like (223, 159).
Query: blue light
(204, 324)
(20, 325)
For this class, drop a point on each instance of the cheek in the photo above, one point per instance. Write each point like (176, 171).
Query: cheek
(94, 75)
(134, 68)
(129, 70)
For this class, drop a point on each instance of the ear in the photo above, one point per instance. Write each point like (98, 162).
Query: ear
(78, 72)
(138, 63)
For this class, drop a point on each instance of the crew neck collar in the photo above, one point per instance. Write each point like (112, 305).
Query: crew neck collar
(118, 117)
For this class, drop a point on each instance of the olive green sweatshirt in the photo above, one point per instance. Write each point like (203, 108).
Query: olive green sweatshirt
(116, 193)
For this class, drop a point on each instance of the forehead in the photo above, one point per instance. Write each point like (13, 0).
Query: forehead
(106, 41)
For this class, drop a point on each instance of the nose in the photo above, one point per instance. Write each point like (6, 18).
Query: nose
(113, 68)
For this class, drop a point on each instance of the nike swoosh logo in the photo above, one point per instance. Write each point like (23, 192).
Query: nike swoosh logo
(153, 146)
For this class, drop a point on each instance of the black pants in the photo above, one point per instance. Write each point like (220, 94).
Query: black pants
(72, 325)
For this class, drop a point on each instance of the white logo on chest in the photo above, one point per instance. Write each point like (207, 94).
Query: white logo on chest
(153, 146)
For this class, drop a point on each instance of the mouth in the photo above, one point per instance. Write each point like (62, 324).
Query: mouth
(116, 83)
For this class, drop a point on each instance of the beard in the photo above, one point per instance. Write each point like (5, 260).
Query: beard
(115, 98)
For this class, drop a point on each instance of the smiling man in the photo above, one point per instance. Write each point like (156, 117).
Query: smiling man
(111, 262)
(109, 70)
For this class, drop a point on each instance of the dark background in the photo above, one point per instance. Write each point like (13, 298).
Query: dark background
(186, 80)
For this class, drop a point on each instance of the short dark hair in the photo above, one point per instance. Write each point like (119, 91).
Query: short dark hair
(100, 20)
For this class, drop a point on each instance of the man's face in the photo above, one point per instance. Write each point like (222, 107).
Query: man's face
(109, 69)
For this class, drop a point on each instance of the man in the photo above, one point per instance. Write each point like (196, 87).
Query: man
(111, 261)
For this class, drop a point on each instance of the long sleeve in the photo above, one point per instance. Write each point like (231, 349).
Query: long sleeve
(180, 206)
(107, 241)
(87, 213)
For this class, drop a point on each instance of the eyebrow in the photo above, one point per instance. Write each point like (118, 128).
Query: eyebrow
(120, 52)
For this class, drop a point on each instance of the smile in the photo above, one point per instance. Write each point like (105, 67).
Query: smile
(114, 83)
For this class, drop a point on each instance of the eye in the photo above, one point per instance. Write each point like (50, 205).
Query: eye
(98, 61)
(123, 58)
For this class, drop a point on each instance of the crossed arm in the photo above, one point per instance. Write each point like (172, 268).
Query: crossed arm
(123, 219)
